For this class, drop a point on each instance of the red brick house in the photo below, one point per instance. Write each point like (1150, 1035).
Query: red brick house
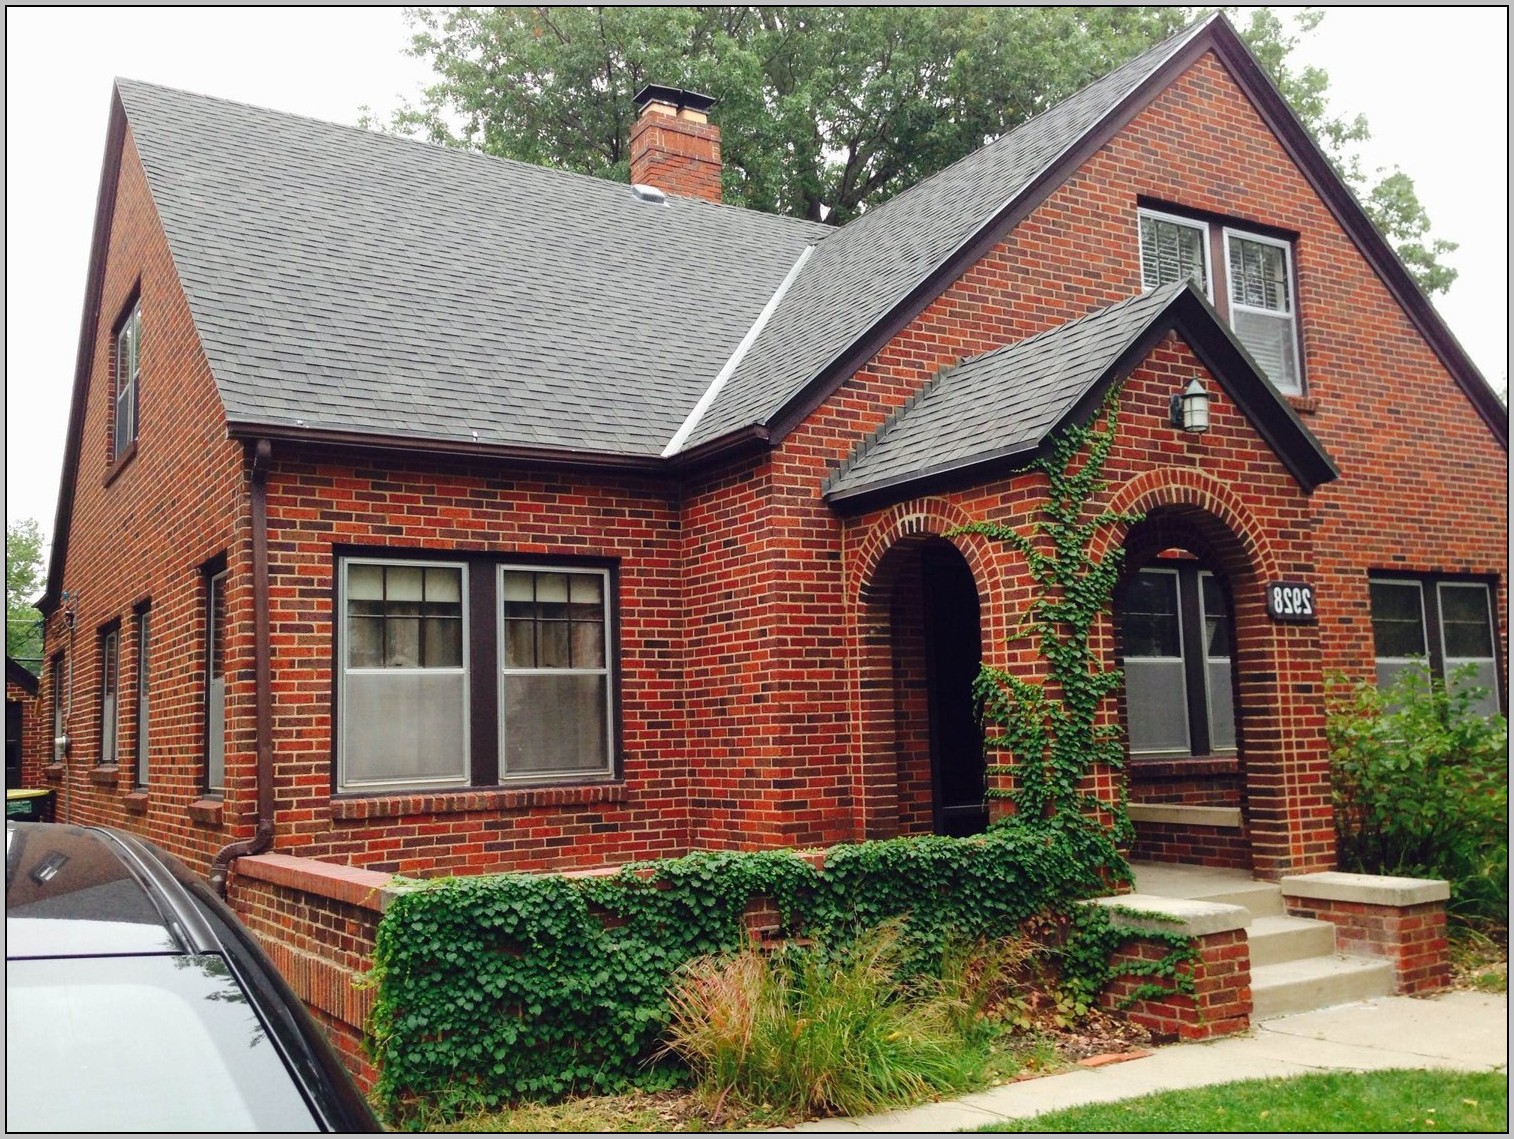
(434, 513)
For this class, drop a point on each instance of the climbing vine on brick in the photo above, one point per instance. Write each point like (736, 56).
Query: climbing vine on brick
(1049, 726)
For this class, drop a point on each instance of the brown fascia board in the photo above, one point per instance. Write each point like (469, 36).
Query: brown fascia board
(18, 674)
(105, 208)
(1348, 213)
(1222, 39)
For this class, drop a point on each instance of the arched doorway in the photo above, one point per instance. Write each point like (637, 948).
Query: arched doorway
(1176, 640)
(925, 608)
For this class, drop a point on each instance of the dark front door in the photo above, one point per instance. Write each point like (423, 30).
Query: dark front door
(12, 744)
(954, 653)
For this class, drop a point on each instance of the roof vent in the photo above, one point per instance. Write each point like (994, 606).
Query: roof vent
(648, 193)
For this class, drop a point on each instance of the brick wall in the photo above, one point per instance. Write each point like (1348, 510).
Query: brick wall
(1221, 1000)
(1412, 938)
(141, 531)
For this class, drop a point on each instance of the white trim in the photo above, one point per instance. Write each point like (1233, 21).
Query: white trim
(344, 784)
(676, 443)
(502, 773)
(1296, 386)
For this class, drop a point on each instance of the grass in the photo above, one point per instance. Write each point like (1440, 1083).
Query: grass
(1389, 1102)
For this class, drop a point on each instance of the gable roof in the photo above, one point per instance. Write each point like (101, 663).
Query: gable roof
(345, 281)
(997, 411)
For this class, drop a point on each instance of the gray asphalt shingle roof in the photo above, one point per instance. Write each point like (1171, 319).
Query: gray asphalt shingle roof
(348, 281)
(1001, 404)
(357, 282)
(856, 277)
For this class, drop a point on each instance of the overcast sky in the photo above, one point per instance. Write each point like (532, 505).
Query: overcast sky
(1433, 82)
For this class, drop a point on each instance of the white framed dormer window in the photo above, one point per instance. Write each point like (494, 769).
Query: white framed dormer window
(1174, 249)
(555, 702)
(1248, 277)
(404, 698)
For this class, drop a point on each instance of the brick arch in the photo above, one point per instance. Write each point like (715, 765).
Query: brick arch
(871, 577)
(1277, 677)
(1183, 487)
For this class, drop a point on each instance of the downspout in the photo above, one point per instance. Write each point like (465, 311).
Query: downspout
(262, 837)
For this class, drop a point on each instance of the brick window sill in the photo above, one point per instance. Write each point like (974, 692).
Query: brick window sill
(120, 464)
(105, 775)
(1185, 766)
(1304, 404)
(135, 802)
(359, 807)
(207, 812)
(53, 773)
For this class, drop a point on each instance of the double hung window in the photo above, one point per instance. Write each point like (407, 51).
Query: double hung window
(143, 614)
(1247, 276)
(110, 685)
(215, 681)
(128, 367)
(1445, 624)
(1176, 634)
(472, 673)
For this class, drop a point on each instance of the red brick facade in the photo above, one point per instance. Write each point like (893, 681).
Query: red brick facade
(768, 676)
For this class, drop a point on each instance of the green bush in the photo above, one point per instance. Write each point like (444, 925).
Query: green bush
(804, 1031)
(1421, 787)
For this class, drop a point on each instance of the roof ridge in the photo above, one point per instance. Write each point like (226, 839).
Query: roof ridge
(819, 229)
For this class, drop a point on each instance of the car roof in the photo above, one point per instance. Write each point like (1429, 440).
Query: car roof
(78, 891)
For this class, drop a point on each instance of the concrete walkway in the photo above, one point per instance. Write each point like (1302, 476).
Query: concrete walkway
(1468, 1031)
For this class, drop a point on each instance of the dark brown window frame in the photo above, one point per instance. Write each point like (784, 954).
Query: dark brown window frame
(1434, 643)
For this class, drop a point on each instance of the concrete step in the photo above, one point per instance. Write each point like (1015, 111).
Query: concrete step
(1203, 884)
(1275, 940)
(1317, 982)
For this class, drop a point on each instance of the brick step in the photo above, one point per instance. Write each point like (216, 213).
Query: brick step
(1317, 982)
(1275, 940)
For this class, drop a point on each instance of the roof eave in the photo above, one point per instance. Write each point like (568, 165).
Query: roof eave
(105, 205)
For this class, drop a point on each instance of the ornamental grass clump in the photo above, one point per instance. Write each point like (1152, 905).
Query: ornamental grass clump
(800, 1030)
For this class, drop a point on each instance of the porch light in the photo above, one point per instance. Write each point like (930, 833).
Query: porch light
(1190, 408)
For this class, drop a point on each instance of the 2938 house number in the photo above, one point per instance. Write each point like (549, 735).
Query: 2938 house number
(1291, 601)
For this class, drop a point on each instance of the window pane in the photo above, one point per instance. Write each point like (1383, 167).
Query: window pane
(404, 583)
(404, 727)
(1485, 677)
(1259, 275)
(365, 642)
(520, 644)
(444, 584)
(586, 589)
(518, 587)
(1398, 627)
(215, 760)
(588, 645)
(555, 724)
(1151, 616)
(143, 642)
(1216, 618)
(1171, 252)
(1221, 706)
(444, 642)
(1272, 345)
(1156, 705)
(402, 642)
(1464, 621)
(365, 583)
(554, 645)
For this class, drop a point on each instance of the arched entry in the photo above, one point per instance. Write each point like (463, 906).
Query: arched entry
(919, 664)
(1176, 639)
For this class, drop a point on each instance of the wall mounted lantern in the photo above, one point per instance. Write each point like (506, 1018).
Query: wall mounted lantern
(1190, 408)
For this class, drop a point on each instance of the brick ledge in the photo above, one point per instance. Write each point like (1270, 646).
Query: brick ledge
(357, 808)
(353, 885)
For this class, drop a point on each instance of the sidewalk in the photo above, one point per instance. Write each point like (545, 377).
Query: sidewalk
(1456, 1030)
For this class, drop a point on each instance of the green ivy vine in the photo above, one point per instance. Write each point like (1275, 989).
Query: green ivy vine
(1048, 726)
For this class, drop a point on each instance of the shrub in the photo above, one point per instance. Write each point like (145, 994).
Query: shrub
(1421, 787)
(803, 1030)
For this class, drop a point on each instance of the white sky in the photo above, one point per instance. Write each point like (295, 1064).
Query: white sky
(1433, 82)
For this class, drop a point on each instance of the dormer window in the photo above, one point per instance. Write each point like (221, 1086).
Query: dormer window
(1247, 276)
(127, 354)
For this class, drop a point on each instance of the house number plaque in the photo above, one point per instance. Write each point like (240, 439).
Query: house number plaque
(1290, 601)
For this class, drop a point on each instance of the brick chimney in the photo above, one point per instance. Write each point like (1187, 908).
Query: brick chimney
(674, 146)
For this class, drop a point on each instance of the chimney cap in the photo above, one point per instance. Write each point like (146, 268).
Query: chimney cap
(676, 96)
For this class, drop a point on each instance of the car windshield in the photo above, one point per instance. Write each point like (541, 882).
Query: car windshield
(144, 1043)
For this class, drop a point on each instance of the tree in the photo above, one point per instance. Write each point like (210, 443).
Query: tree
(24, 580)
(825, 111)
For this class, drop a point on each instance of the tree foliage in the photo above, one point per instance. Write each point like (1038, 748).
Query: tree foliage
(24, 580)
(825, 111)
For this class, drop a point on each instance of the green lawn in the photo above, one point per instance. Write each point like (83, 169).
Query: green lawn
(1383, 1102)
